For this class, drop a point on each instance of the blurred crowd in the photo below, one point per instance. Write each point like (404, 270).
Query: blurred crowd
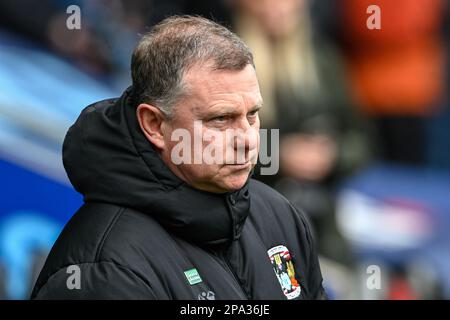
(342, 95)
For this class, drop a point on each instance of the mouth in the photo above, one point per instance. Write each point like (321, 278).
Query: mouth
(240, 166)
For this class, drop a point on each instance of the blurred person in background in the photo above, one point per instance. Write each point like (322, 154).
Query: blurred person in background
(45, 22)
(101, 47)
(322, 138)
(397, 73)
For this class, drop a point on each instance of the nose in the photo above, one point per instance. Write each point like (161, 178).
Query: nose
(245, 141)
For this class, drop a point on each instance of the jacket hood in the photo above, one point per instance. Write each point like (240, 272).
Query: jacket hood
(108, 159)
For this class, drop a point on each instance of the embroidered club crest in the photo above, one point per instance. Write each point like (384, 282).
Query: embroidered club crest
(284, 269)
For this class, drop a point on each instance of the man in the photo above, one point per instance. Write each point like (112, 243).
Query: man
(155, 228)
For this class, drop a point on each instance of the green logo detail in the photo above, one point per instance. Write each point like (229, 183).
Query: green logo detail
(192, 276)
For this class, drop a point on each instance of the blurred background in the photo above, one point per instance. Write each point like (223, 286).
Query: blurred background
(363, 114)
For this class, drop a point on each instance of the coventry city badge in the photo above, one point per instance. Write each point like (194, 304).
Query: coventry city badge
(284, 269)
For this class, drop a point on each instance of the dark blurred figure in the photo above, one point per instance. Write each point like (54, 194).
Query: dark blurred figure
(322, 139)
(103, 44)
(397, 73)
(216, 10)
(109, 29)
(45, 22)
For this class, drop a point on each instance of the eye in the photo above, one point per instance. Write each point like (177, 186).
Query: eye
(253, 113)
(220, 118)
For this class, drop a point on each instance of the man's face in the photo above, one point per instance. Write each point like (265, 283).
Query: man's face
(220, 112)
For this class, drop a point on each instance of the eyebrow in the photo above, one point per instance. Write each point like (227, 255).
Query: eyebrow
(230, 111)
(257, 106)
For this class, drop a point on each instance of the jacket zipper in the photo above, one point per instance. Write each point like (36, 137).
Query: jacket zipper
(226, 265)
(230, 203)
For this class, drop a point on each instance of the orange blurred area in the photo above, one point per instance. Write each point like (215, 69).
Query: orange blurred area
(401, 68)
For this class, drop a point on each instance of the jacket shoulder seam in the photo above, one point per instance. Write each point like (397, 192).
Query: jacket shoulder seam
(117, 215)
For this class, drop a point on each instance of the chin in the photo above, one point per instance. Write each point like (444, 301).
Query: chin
(235, 183)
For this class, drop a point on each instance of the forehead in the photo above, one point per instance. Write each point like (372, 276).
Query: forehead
(208, 87)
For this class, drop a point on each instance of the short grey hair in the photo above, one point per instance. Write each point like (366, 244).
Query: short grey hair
(165, 54)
